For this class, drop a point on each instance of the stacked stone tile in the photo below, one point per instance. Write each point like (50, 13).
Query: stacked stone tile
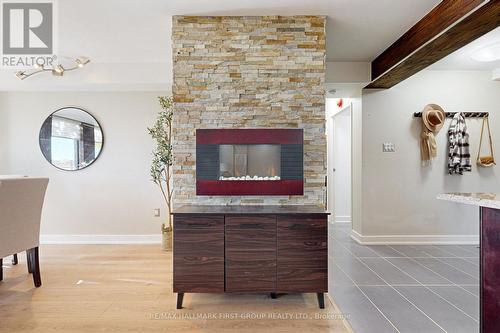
(249, 72)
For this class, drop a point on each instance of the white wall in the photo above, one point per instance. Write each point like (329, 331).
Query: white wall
(348, 72)
(3, 137)
(114, 196)
(357, 161)
(398, 194)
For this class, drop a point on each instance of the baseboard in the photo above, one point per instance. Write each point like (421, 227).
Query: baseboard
(342, 219)
(100, 239)
(415, 239)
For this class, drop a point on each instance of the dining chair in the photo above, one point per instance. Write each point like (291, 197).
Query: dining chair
(21, 202)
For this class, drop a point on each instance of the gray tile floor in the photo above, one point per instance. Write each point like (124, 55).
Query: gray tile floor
(403, 288)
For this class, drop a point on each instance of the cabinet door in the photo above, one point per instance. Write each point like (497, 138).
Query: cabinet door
(198, 253)
(302, 253)
(250, 253)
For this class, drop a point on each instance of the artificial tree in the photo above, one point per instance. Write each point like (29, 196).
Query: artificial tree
(161, 165)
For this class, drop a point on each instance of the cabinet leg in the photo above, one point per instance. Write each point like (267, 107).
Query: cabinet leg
(321, 300)
(180, 297)
(14, 260)
(273, 295)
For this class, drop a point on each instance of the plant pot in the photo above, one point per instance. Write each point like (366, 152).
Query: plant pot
(166, 238)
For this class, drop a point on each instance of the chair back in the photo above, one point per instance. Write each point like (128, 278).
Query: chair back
(21, 202)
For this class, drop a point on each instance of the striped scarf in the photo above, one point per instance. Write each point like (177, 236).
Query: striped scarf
(458, 140)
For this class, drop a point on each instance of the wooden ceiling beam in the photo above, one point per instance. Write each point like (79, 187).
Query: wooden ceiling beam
(405, 58)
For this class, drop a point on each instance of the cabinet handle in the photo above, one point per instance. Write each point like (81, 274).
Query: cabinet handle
(251, 225)
(194, 258)
(198, 224)
(305, 226)
(300, 226)
(312, 243)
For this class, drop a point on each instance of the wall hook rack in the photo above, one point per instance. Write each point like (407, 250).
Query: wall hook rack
(452, 114)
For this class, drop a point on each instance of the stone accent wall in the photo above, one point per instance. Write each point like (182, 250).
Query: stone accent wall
(249, 72)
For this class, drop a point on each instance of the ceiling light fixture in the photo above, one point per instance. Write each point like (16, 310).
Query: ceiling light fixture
(487, 53)
(80, 62)
(56, 70)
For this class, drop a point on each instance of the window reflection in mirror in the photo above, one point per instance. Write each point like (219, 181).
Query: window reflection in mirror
(71, 139)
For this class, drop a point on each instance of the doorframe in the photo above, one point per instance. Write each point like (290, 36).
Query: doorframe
(330, 200)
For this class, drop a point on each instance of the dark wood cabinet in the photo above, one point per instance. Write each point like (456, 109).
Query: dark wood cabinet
(268, 249)
(199, 254)
(302, 260)
(250, 253)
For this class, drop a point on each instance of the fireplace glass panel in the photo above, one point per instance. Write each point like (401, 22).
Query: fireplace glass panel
(250, 162)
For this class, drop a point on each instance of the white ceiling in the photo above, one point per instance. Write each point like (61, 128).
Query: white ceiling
(121, 34)
(462, 60)
(139, 31)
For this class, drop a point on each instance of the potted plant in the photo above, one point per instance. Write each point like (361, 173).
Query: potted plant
(161, 165)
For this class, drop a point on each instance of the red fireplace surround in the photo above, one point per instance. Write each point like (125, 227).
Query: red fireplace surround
(208, 141)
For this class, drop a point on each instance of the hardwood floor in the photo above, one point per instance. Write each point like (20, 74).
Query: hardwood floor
(118, 288)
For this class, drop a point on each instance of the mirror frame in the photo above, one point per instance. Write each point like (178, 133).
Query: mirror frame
(81, 109)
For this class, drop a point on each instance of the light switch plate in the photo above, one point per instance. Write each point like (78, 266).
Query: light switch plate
(156, 212)
(388, 147)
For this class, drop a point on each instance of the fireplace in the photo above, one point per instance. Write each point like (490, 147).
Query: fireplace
(249, 162)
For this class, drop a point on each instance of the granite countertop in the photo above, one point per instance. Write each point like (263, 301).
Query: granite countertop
(237, 209)
(490, 200)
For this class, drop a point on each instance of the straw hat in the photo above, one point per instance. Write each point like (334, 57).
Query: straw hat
(433, 117)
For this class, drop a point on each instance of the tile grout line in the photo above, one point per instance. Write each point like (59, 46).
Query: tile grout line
(417, 257)
(464, 249)
(475, 262)
(443, 250)
(397, 291)
(453, 283)
(414, 285)
(413, 259)
(432, 291)
(456, 268)
(368, 298)
(453, 255)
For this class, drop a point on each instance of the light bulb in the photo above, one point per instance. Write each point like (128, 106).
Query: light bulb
(82, 61)
(58, 70)
(21, 75)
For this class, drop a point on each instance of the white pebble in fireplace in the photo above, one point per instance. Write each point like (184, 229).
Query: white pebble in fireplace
(247, 177)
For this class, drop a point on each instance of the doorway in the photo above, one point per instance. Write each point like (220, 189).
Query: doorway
(339, 187)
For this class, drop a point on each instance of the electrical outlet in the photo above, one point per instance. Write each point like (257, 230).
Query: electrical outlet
(156, 212)
(388, 147)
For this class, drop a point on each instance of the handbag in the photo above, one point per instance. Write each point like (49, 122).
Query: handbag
(485, 161)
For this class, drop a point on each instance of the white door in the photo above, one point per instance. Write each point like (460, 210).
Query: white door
(339, 166)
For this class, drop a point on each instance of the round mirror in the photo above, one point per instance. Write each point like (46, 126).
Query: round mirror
(71, 139)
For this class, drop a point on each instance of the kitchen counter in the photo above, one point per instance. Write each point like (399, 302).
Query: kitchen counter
(490, 200)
